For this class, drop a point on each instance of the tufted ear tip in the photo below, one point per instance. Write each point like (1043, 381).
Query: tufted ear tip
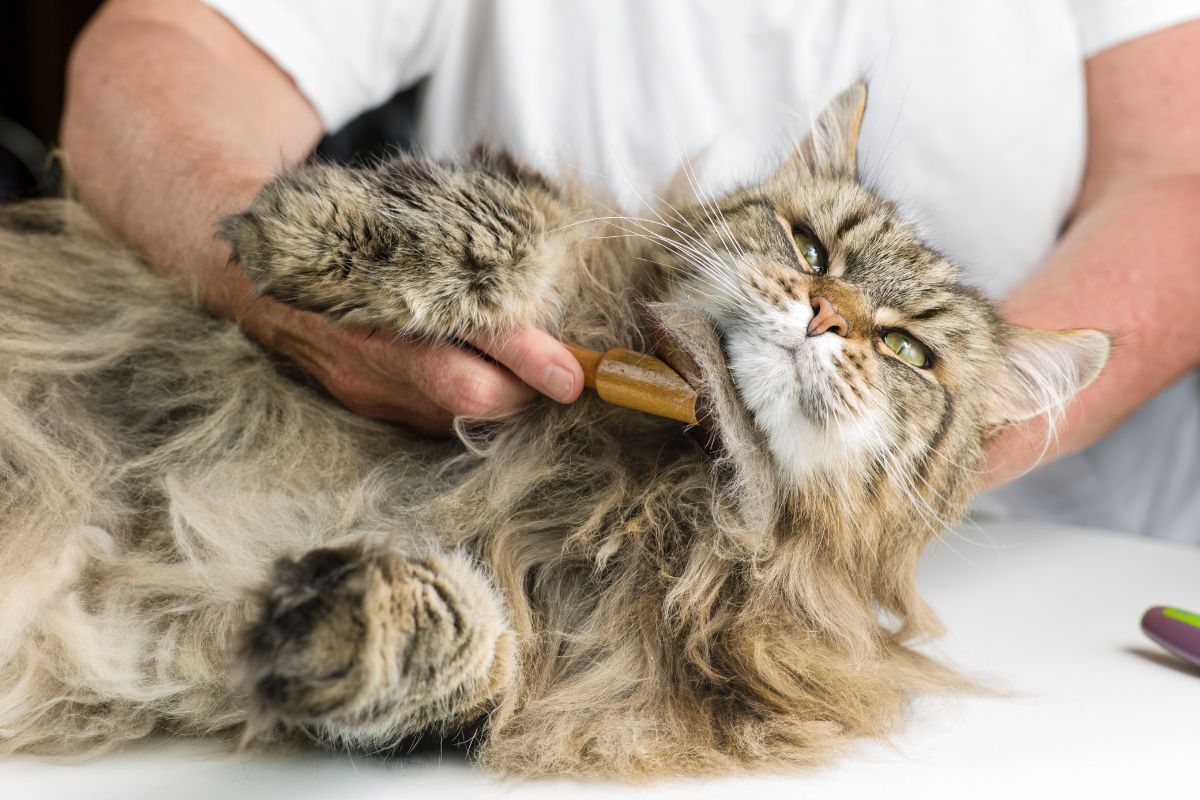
(1095, 347)
(831, 145)
(854, 98)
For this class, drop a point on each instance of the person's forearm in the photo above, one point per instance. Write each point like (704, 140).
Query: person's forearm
(173, 120)
(1127, 265)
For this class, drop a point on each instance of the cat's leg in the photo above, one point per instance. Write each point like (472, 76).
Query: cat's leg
(413, 245)
(367, 646)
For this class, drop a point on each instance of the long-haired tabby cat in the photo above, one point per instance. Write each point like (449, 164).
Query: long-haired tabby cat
(194, 539)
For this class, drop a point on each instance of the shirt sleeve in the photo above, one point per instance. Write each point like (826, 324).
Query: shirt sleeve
(1107, 23)
(345, 57)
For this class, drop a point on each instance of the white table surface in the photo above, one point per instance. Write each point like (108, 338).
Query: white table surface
(1047, 615)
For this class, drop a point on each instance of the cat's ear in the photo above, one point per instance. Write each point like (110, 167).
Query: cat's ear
(1043, 370)
(831, 146)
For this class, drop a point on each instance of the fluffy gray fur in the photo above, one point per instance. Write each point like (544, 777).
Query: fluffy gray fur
(194, 538)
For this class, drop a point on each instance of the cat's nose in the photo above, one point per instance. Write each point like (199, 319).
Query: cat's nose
(826, 318)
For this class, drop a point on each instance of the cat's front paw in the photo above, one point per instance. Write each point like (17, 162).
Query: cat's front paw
(309, 236)
(420, 247)
(368, 647)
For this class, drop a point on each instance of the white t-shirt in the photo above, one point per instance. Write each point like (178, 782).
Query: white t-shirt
(976, 126)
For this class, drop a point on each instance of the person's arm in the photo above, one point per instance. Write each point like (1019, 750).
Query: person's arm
(174, 119)
(1129, 262)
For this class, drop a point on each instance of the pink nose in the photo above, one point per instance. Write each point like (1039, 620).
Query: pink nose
(826, 319)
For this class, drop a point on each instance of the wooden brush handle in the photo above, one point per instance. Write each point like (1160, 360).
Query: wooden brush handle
(638, 381)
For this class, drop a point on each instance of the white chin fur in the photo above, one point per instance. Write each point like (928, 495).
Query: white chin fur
(777, 387)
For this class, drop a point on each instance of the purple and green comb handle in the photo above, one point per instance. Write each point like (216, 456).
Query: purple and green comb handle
(1176, 630)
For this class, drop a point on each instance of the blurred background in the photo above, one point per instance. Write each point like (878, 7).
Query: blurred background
(35, 40)
(35, 37)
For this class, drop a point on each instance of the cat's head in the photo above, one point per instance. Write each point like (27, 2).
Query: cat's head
(869, 370)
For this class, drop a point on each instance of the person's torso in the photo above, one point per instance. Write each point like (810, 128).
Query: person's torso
(975, 122)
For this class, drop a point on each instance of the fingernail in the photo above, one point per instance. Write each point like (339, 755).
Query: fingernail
(558, 383)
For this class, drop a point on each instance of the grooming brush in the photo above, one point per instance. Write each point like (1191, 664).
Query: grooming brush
(1176, 630)
(638, 381)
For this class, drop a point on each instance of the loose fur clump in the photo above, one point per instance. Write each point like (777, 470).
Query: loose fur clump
(194, 538)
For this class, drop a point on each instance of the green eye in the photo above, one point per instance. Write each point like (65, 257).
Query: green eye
(907, 348)
(810, 249)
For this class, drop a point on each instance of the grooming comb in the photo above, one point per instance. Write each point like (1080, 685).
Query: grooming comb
(638, 381)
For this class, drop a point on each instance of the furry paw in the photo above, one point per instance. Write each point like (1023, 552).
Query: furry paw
(421, 247)
(369, 647)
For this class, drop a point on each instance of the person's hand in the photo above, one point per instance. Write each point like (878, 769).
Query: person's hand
(417, 382)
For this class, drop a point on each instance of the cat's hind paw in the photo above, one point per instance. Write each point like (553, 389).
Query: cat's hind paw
(366, 648)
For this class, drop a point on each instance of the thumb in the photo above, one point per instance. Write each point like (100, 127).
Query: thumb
(538, 359)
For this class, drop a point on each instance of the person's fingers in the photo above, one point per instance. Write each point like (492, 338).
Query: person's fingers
(538, 359)
(420, 382)
(463, 383)
(353, 365)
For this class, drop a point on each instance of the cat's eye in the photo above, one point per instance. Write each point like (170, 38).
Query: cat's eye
(810, 248)
(908, 349)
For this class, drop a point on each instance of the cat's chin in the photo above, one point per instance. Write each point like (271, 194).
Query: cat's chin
(748, 409)
(697, 345)
(784, 391)
(704, 349)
